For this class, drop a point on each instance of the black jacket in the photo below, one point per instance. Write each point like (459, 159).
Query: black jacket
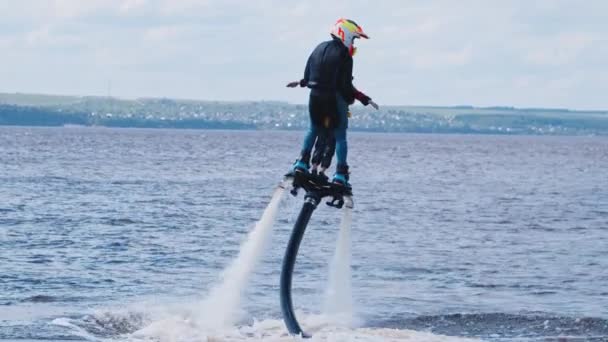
(330, 69)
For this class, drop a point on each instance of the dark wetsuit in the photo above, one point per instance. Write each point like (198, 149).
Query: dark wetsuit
(329, 75)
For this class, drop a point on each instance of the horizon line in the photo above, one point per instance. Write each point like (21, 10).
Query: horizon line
(458, 106)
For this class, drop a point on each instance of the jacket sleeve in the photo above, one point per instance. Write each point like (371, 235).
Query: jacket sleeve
(361, 97)
(304, 81)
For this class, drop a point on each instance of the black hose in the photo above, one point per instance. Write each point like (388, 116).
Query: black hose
(310, 204)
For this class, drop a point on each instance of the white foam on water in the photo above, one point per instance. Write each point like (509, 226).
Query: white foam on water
(176, 326)
(338, 304)
(220, 308)
(75, 329)
(274, 330)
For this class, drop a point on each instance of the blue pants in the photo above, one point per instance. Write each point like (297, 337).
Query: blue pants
(336, 109)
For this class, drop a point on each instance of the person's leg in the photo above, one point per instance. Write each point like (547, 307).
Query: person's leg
(314, 105)
(309, 141)
(330, 149)
(340, 132)
(320, 146)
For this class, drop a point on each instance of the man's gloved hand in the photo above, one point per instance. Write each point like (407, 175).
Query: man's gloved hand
(374, 104)
(293, 84)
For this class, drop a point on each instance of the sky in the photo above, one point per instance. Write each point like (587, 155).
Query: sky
(535, 53)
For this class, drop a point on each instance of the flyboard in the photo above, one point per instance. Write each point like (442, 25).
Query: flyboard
(316, 188)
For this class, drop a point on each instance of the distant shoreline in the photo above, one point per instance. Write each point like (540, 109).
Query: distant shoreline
(63, 98)
(55, 111)
(355, 131)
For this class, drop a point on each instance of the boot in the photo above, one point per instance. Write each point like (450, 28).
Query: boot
(341, 176)
(299, 166)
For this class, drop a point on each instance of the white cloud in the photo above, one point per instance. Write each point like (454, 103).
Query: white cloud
(431, 58)
(170, 7)
(433, 52)
(73, 9)
(128, 6)
(40, 36)
(163, 33)
(558, 50)
(6, 42)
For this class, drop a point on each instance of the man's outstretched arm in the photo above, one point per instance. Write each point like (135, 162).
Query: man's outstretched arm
(366, 100)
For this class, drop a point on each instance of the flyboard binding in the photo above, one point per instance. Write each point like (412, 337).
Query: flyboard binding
(316, 187)
(319, 187)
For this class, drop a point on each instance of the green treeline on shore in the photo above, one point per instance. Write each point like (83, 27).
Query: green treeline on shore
(48, 110)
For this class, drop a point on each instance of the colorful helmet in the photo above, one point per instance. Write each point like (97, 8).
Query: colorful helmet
(347, 30)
